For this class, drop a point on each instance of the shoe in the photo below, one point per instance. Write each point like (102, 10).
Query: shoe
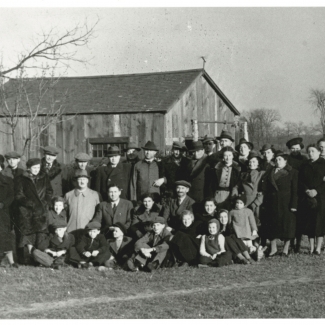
(183, 264)
(56, 267)
(83, 266)
(151, 266)
(15, 265)
(132, 265)
(316, 253)
(283, 254)
(274, 254)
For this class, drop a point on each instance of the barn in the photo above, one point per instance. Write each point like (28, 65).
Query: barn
(114, 109)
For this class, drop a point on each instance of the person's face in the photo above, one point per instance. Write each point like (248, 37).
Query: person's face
(132, 153)
(114, 193)
(157, 227)
(35, 169)
(268, 154)
(82, 182)
(321, 147)
(114, 160)
(58, 207)
(239, 204)
(244, 150)
(210, 207)
(147, 227)
(82, 164)
(117, 232)
(50, 158)
(295, 149)
(176, 153)
(313, 153)
(253, 163)
(181, 190)
(198, 154)
(223, 218)
(225, 143)
(150, 154)
(13, 162)
(209, 146)
(213, 228)
(148, 203)
(280, 162)
(60, 232)
(187, 220)
(228, 157)
(93, 233)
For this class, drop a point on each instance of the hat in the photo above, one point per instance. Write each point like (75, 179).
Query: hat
(179, 145)
(59, 224)
(196, 145)
(183, 183)
(225, 135)
(118, 225)
(158, 219)
(81, 173)
(267, 146)
(132, 145)
(51, 151)
(244, 141)
(93, 225)
(280, 153)
(12, 154)
(295, 141)
(32, 162)
(81, 156)
(113, 151)
(150, 146)
(208, 138)
(253, 154)
(2, 159)
(242, 197)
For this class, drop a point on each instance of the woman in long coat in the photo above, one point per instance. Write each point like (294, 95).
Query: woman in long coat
(6, 198)
(33, 193)
(280, 200)
(312, 185)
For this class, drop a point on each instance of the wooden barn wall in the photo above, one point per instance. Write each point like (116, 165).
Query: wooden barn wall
(201, 102)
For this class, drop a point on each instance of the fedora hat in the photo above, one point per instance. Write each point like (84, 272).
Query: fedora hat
(225, 135)
(244, 141)
(150, 146)
(208, 138)
(294, 141)
(132, 145)
(82, 157)
(267, 146)
(113, 151)
(179, 145)
(196, 145)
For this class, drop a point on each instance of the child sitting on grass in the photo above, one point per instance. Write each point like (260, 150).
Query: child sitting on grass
(243, 222)
(92, 248)
(54, 250)
(57, 212)
(212, 248)
(120, 248)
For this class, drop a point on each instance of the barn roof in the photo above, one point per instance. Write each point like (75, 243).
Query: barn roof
(146, 92)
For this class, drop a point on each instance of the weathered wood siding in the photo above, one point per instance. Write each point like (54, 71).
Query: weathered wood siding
(200, 101)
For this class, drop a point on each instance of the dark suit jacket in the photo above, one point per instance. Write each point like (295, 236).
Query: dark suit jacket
(104, 214)
(120, 175)
(124, 251)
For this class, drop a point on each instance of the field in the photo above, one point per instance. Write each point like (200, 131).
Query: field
(280, 287)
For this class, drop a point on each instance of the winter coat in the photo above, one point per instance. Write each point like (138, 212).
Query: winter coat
(251, 184)
(296, 162)
(6, 198)
(55, 176)
(243, 223)
(144, 175)
(312, 211)
(53, 243)
(120, 175)
(7, 171)
(280, 196)
(33, 196)
(54, 218)
(124, 251)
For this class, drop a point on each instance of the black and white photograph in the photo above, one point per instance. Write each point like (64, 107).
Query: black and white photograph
(162, 160)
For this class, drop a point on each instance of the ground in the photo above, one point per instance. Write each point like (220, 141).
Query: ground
(280, 287)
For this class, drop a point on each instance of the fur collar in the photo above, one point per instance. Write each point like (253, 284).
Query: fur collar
(221, 164)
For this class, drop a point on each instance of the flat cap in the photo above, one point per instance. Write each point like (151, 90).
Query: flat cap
(158, 219)
(12, 154)
(118, 225)
(179, 145)
(81, 173)
(81, 156)
(59, 224)
(93, 225)
(183, 183)
(51, 151)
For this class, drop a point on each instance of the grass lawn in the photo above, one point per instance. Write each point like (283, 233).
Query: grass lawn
(280, 287)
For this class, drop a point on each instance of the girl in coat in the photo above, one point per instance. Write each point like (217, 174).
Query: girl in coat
(312, 186)
(243, 223)
(6, 198)
(212, 247)
(33, 193)
(280, 188)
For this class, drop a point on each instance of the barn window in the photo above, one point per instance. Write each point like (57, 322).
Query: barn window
(99, 146)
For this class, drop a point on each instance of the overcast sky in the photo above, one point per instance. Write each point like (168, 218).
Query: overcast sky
(259, 57)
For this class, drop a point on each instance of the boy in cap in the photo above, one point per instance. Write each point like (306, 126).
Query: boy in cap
(120, 247)
(296, 159)
(12, 170)
(56, 247)
(172, 209)
(92, 248)
(151, 249)
(52, 168)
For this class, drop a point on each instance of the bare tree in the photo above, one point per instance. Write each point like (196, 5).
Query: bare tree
(317, 101)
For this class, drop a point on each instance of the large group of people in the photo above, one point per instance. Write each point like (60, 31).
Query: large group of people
(209, 205)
